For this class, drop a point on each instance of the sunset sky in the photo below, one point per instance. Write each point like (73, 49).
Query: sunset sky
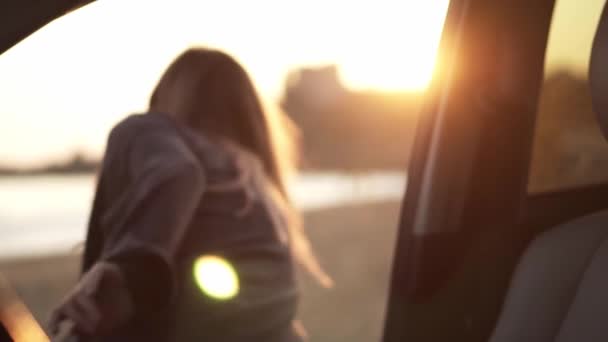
(62, 89)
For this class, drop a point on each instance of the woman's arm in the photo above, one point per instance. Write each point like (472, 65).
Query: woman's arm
(168, 184)
(144, 233)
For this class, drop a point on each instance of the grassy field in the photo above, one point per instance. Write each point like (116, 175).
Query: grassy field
(355, 244)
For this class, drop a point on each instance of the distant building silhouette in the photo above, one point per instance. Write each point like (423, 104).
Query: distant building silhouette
(318, 87)
(349, 130)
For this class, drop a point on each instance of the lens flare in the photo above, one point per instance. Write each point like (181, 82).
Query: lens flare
(216, 277)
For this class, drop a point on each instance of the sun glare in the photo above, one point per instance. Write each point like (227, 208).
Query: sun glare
(216, 277)
(395, 48)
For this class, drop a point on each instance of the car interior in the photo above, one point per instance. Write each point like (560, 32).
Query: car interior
(481, 256)
(558, 289)
(482, 253)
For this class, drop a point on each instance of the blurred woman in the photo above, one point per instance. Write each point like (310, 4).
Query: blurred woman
(192, 236)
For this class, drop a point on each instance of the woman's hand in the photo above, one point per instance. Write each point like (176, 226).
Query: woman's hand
(98, 304)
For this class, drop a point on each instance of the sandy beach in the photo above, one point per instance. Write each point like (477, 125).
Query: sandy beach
(355, 244)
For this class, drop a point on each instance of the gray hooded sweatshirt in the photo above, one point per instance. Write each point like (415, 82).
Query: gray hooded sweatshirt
(157, 210)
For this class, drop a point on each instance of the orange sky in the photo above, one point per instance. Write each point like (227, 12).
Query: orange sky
(63, 88)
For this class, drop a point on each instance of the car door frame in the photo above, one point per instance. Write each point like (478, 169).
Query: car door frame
(458, 243)
(21, 18)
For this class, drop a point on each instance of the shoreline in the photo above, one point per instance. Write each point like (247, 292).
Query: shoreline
(36, 257)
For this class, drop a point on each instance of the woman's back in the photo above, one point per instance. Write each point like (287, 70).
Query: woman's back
(235, 221)
(239, 223)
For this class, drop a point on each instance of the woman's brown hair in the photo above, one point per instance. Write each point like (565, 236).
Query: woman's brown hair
(211, 92)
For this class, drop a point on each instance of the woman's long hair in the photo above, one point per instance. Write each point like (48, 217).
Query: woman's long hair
(211, 92)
